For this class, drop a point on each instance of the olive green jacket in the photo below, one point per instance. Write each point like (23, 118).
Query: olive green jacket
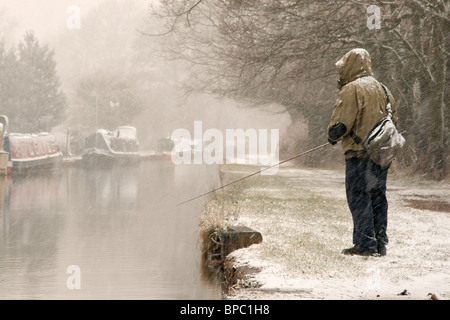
(361, 102)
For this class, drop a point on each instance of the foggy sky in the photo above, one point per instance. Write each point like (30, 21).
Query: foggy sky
(46, 17)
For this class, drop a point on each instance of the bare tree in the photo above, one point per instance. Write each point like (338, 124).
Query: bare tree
(284, 52)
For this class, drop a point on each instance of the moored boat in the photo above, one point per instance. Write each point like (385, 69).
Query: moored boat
(29, 151)
(111, 147)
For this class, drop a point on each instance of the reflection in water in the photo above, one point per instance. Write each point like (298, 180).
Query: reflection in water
(119, 226)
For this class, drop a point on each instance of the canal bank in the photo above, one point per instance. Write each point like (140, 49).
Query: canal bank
(305, 223)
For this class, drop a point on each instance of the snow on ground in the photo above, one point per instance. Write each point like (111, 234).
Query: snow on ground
(305, 222)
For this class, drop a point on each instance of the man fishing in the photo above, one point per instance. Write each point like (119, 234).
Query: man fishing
(360, 105)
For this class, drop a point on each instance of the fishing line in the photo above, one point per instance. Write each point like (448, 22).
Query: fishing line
(255, 173)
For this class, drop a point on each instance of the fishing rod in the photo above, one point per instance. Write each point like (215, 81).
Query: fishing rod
(255, 173)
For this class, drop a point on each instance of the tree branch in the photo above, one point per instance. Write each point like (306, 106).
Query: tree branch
(176, 16)
(416, 5)
(406, 42)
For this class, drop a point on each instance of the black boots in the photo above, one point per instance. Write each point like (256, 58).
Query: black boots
(354, 251)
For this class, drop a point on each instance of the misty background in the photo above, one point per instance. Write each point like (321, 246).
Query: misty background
(111, 74)
(160, 65)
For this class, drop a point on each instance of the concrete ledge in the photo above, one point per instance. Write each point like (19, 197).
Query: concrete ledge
(238, 237)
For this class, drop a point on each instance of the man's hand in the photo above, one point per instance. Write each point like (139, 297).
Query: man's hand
(336, 132)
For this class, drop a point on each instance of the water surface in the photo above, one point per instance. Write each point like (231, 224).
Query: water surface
(119, 226)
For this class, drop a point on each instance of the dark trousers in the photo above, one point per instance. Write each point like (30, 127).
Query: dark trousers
(365, 184)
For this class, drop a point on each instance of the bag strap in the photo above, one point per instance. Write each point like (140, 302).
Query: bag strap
(388, 102)
(352, 133)
(355, 136)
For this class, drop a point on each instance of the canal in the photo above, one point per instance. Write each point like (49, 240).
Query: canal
(104, 234)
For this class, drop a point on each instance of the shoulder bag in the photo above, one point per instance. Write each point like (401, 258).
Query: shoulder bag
(383, 143)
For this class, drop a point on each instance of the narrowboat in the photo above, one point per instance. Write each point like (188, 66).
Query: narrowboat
(29, 151)
(104, 147)
(165, 148)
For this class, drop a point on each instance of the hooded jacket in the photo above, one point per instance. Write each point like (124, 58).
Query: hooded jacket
(361, 102)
